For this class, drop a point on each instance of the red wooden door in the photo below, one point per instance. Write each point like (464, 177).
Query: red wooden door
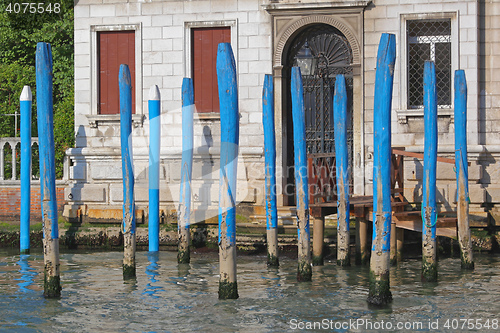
(204, 47)
(115, 48)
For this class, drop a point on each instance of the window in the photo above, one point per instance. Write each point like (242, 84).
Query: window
(429, 40)
(204, 43)
(114, 48)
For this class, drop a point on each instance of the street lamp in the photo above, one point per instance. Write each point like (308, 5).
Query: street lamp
(305, 60)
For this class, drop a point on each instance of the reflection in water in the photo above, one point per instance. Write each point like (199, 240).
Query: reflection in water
(27, 274)
(152, 273)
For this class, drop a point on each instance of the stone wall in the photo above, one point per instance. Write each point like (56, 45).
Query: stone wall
(164, 28)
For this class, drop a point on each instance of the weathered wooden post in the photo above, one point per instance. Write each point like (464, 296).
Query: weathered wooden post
(24, 230)
(128, 226)
(342, 165)
(461, 166)
(183, 255)
(230, 128)
(429, 213)
(379, 289)
(270, 165)
(361, 241)
(304, 272)
(45, 114)
(154, 106)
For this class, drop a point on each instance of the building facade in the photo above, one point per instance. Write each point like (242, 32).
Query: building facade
(165, 41)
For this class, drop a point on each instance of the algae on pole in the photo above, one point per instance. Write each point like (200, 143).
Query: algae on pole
(304, 269)
(429, 213)
(128, 225)
(45, 114)
(379, 287)
(229, 116)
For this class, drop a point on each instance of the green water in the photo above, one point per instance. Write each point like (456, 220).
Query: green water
(167, 297)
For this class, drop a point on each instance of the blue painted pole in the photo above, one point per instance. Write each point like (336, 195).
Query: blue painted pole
(270, 165)
(128, 226)
(45, 114)
(342, 168)
(304, 271)
(379, 288)
(154, 106)
(183, 254)
(25, 100)
(230, 128)
(461, 165)
(429, 213)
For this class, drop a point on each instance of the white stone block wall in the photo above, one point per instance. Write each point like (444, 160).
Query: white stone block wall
(388, 16)
(164, 28)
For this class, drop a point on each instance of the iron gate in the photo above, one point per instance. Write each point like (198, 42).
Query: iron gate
(328, 53)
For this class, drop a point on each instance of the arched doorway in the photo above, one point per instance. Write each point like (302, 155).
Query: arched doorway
(326, 53)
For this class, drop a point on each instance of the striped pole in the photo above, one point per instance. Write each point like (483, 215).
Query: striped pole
(304, 271)
(229, 118)
(342, 165)
(45, 114)
(128, 226)
(154, 106)
(183, 254)
(25, 100)
(379, 287)
(461, 166)
(429, 213)
(270, 165)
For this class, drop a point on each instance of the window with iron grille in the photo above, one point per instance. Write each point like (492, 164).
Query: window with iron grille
(428, 40)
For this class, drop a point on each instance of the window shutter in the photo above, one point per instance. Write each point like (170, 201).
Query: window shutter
(204, 54)
(115, 48)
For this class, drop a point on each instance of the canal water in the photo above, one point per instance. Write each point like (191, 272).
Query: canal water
(167, 297)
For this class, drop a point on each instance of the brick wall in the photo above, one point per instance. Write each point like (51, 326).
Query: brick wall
(10, 203)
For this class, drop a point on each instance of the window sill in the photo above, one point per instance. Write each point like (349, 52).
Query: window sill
(113, 119)
(403, 115)
(207, 116)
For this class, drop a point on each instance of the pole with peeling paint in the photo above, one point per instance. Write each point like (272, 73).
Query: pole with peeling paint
(45, 117)
(379, 287)
(128, 226)
(461, 166)
(270, 165)
(342, 165)
(230, 128)
(429, 213)
(154, 107)
(304, 270)
(183, 254)
(24, 231)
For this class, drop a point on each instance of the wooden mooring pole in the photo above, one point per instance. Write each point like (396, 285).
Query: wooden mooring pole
(379, 286)
(24, 230)
(461, 166)
(128, 226)
(45, 114)
(341, 165)
(429, 213)
(229, 119)
(270, 165)
(154, 107)
(304, 270)
(183, 254)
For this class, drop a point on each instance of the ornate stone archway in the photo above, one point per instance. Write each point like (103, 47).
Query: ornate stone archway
(290, 19)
